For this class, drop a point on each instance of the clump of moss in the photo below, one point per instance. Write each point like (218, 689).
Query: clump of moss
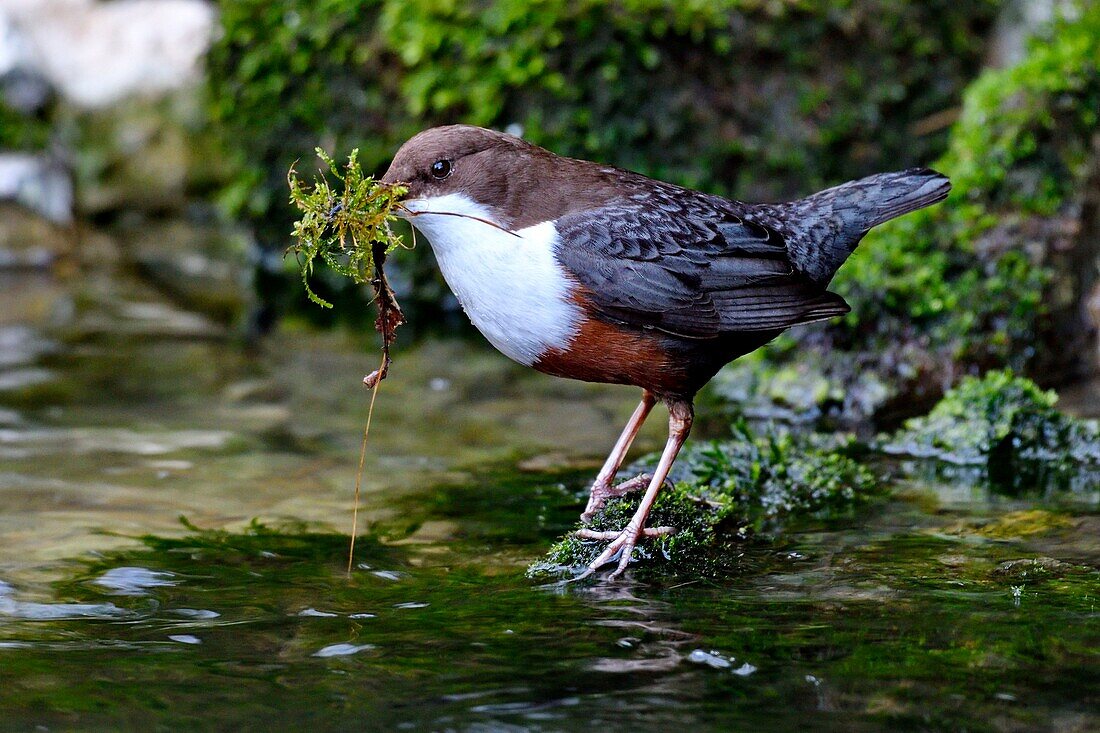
(725, 492)
(349, 230)
(998, 416)
(1004, 423)
(344, 228)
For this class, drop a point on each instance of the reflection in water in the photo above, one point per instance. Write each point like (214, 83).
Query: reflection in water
(30, 611)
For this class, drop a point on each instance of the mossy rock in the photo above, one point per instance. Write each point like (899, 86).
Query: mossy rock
(1008, 426)
(725, 493)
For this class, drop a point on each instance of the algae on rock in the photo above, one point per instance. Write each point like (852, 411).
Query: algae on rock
(997, 417)
(1010, 429)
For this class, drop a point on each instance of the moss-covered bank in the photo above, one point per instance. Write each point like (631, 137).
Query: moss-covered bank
(1004, 429)
(994, 276)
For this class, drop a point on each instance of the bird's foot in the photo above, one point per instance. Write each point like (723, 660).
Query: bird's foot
(622, 543)
(602, 492)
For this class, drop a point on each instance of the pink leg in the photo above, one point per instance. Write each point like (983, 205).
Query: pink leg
(680, 415)
(602, 489)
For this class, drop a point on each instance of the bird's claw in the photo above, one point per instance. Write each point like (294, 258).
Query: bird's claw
(621, 542)
(599, 495)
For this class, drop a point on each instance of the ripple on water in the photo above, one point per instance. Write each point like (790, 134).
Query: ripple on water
(387, 574)
(185, 639)
(341, 650)
(131, 581)
(718, 660)
(30, 611)
(84, 440)
(200, 614)
(314, 613)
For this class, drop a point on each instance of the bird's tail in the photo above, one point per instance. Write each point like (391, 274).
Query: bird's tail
(822, 230)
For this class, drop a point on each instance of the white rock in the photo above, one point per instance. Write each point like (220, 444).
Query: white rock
(39, 183)
(97, 53)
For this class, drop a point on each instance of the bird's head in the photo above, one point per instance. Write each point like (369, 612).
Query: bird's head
(460, 165)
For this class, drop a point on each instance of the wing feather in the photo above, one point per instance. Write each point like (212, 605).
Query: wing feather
(688, 264)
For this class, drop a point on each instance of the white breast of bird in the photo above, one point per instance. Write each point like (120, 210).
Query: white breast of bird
(509, 283)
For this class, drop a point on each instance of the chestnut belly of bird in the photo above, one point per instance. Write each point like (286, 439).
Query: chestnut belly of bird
(669, 366)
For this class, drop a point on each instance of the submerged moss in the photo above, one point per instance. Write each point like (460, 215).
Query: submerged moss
(1000, 421)
(1014, 525)
(725, 492)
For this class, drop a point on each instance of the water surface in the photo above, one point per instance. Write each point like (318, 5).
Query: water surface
(949, 606)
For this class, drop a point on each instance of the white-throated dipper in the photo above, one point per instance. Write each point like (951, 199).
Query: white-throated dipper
(587, 271)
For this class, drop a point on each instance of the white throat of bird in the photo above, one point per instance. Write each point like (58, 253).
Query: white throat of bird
(509, 283)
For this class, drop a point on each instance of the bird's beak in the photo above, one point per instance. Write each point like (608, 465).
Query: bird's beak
(391, 178)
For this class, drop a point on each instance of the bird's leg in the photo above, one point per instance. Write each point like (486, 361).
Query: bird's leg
(680, 415)
(602, 490)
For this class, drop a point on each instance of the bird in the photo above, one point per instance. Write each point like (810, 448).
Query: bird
(587, 271)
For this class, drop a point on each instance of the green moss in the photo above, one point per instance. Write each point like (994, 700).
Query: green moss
(20, 132)
(725, 492)
(1006, 425)
(958, 272)
(342, 227)
(1025, 523)
(999, 416)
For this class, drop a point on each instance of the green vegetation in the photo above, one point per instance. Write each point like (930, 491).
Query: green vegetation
(1006, 424)
(975, 282)
(344, 227)
(727, 491)
(19, 132)
(965, 273)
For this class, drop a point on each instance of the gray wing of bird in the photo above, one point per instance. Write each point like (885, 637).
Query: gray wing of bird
(688, 264)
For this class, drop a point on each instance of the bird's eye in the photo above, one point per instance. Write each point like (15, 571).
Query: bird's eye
(441, 169)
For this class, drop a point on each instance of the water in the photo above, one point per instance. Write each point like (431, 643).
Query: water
(946, 607)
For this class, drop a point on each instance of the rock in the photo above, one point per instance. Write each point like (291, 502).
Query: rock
(999, 420)
(40, 183)
(97, 53)
(203, 266)
(723, 492)
(27, 241)
(1032, 568)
